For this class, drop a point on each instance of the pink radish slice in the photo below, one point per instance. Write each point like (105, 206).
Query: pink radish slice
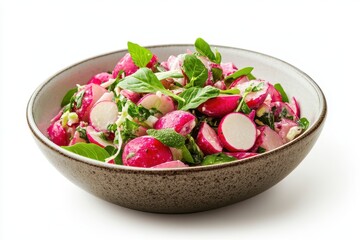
(269, 139)
(294, 105)
(146, 152)
(57, 134)
(182, 122)
(171, 164)
(100, 78)
(240, 155)
(108, 96)
(274, 94)
(240, 80)
(283, 127)
(254, 99)
(161, 102)
(228, 68)
(95, 137)
(103, 114)
(220, 85)
(132, 96)
(207, 140)
(237, 132)
(92, 94)
(219, 106)
(76, 139)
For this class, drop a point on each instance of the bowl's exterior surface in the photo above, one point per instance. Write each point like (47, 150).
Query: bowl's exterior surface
(175, 190)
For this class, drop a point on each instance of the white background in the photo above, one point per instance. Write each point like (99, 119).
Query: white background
(320, 199)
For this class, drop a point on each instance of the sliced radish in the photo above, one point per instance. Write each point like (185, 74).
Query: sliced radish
(283, 127)
(76, 139)
(103, 114)
(182, 122)
(237, 132)
(108, 96)
(240, 155)
(132, 96)
(254, 99)
(171, 164)
(96, 137)
(294, 105)
(220, 85)
(207, 140)
(176, 153)
(240, 80)
(228, 68)
(269, 139)
(274, 94)
(161, 102)
(219, 106)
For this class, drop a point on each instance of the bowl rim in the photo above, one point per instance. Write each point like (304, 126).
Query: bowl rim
(121, 168)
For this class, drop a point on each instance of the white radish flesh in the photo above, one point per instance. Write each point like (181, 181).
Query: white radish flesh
(171, 164)
(103, 114)
(237, 132)
(161, 102)
(95, 137)
(207, 140)
(269, 139)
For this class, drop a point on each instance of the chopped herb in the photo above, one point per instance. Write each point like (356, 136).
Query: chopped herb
(217, 158)
(303, 123)
(261, 150)
(78, 99)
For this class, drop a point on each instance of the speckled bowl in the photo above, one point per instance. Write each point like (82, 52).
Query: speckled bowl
(187, 189)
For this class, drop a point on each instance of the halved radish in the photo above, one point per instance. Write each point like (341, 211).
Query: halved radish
(100, 78)
(91, 94)
(103, 114)
(171, 164)
(240, 80)
(127, 65)
(274, 94)
(254, 99)
(240, 155)
(219, 106)
(268, 139)
(132, 96)
(283, 127)
(161, 102)
(237, 132)
(182, 122)
(57, 134)
(96, 137)
(207, 140)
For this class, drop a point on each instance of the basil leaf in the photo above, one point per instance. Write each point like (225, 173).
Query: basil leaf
(195, 70)
(217, 158)
(303, 123)
(204, 49)
(217, 73)
(241, 72)
(145, 81)
(169, 74)
(195, 96)
(168, 136)
(140, 55)
(89, 150)
(68, 96)
(280, 89)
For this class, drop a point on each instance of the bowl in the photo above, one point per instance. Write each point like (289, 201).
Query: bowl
(182, 190)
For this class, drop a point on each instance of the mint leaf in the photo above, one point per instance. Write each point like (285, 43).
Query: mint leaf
(68, 96)
(169, 74)
(145, 81)
(89, 150)
(241, 72)
(140, 55)
(195, 96)
(168, 136)
(204, 49)
(217, 158)
(280, 89)
(303, 123)
(195, 70)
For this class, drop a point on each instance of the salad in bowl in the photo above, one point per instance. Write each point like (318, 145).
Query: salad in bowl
(188, 110)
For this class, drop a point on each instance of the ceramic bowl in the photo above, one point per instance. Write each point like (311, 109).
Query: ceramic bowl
(187, 189)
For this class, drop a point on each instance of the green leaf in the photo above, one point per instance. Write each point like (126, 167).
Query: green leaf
(195, 70)
(241, 72)
(145, 81)
(217, 158)
(169, 74)
(217, 73)
(89, 150)
(194, 149)
(168, 136)
(280, 89)
(140, 55)
(112, 151)
(78, 99)
(195, 96)
(204, 49)
(186, 155)
(128, 130)
(303, 123)
(68, 96)
(244, 107)
(261, 150)
(258, 87)
(231, 91)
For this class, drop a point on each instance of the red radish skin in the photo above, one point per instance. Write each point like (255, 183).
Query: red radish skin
(237, 132)
(132, 96)
(128, 66)
(103, 114)
(171, 164)
(57, 134)
(228, 68)
(145, 152)
(91, 95)
(254, 99)
(161, 102)
(95, 137)
(274, 94)
(240, 155)
(294, 105)
(76, 139)
(268, 138)
(207, 140)
(100, 78)
(219, 106)
(238, 81)
(182, 122)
